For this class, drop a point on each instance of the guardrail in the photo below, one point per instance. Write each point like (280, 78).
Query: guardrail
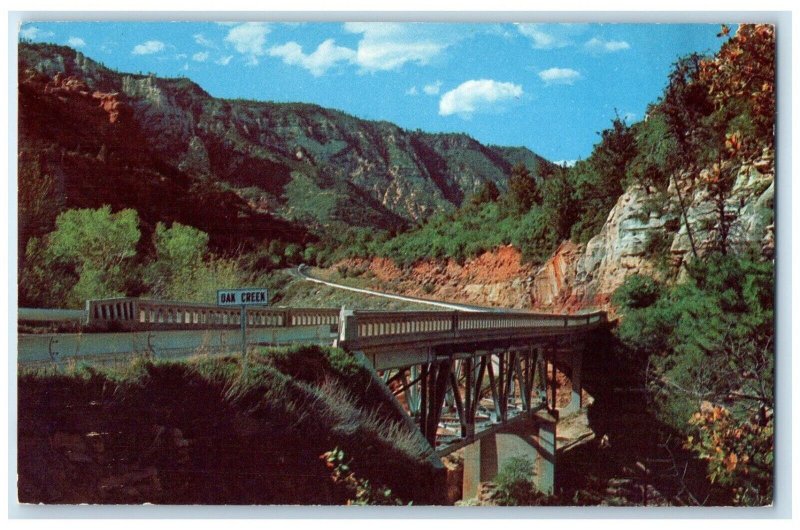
(362, 330)
(138, 314)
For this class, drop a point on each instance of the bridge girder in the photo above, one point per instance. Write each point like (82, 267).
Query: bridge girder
(516, 380)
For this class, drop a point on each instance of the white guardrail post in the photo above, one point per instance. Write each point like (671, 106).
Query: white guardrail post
(348, 326)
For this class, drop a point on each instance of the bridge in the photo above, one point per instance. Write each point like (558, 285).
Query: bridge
(484, 382)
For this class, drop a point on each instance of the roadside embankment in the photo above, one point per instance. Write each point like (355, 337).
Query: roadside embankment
(207, 431)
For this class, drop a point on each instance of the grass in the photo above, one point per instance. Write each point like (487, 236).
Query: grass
(302, 293)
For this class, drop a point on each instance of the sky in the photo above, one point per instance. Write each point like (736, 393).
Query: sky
(548, 87)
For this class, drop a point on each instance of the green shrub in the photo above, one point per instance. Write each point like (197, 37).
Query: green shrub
(515, 481)
(637, 292)
(515, 486)
(360, 491)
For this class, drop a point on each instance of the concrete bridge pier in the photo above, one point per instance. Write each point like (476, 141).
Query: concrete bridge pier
(533, 439)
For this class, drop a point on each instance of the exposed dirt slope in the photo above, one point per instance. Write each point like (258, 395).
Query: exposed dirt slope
(497, 278)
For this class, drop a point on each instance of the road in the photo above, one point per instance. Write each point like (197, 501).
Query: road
(301, 273)
(62, 347)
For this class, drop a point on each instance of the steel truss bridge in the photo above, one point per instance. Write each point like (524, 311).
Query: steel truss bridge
(459, 376)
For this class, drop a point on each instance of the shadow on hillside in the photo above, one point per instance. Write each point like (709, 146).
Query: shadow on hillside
(183, 433)
(635, 459)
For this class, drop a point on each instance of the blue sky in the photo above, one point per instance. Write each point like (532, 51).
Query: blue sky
(549, 87)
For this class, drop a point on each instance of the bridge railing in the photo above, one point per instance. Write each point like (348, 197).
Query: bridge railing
(136, 313)
(362, 328)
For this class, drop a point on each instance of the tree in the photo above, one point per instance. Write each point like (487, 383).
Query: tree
(180, 245)
(201, 282)
(741, 86)
(37, 206)
(743, 75)
(599, 180)
(637, 292)
(655, 149)
(99, 246)
(686, 105)
(557, 202)
(43, 280)
(292, 252)
(487, 193)
(523, 192)
(180, 250)
(612, 155)
(534, 235)
(739, 454)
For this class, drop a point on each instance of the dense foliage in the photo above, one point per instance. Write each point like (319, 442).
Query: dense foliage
(707, 351)
(470, 231)
(99, 254)
(740, 454)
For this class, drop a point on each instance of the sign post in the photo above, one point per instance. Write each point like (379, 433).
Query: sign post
(243, 298)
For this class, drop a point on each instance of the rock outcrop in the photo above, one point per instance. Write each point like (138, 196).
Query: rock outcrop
(646, 233)
(110, 103)
(65, 87)
(552, 283)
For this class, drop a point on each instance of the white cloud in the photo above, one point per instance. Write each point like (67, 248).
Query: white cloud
(606, 46)
(539, 37)
(33, 33)
(551, 36)
(500, 30)
(389, 45)
(76, 42)
(433, 88)
(412, 91)
(149, 47)
(224, 60)
(200, 39)
(567, 163)
(559, 76)
(180, 56)
(629, 117)
(200, 57)
(249, 39)
(323, 58)
(477, 95)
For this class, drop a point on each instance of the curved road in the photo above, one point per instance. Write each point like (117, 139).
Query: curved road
(300, 271)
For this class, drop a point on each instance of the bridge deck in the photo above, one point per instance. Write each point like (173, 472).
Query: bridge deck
(101, 347)
(403, 338)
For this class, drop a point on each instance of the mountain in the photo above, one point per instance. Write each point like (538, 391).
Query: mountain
(236, 169)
